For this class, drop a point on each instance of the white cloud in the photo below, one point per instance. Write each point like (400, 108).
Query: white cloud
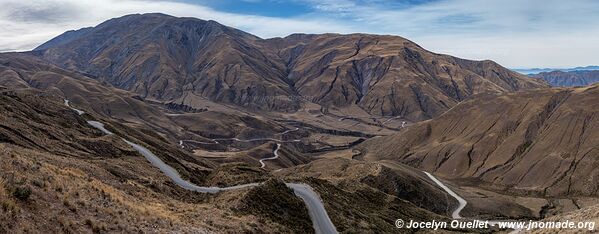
(24, 25)
(534, 33)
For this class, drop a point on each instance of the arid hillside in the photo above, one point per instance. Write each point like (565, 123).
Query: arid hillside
(59, 174)
(184, 60)
(542, 142)
(389, 75)
(172, 121)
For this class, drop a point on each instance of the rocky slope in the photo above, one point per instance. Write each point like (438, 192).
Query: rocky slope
(571, 78)
(542, 142)
(24, 71)
(388, 75)
(165, 58)
(184, 60)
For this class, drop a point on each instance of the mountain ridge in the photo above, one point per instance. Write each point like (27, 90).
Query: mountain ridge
(532, 142)
(570, 78)
(180, 59)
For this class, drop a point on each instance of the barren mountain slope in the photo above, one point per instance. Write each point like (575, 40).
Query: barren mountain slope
(182, 59)
(19, 70)
(165, 58)
(173, 121)
(389, 75)
(543, 142)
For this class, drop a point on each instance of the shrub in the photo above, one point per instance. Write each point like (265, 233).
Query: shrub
(22, 193)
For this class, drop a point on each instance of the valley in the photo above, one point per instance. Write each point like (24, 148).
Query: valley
(154, 123)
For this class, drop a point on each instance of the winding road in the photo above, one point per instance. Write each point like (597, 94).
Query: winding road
(252, 140)
(216, 140)
(320, 219)
(462, 202)
(262, 165)
(276, 153)
(67, 103)
(288, 131)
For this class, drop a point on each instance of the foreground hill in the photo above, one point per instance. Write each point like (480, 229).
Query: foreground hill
(570, 78)
(185, 59)
(58, 174)
(542, 142)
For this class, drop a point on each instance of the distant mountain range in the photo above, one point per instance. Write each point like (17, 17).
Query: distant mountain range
(571, 78)
(529, 71)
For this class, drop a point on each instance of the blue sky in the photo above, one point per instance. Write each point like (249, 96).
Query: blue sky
(515, 33)
(270, 8)
(294, 8)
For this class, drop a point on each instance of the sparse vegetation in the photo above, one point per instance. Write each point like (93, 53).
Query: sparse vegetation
(8, 206)
(274, 202)
(22, 193)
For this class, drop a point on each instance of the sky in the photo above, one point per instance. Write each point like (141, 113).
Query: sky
(515, 33)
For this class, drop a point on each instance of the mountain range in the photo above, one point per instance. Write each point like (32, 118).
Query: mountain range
(155, 123)
(569, 78)
(183, 60)
(533, 71)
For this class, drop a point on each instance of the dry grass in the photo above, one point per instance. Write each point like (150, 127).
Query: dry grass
(3, 192)
(333, 139)
(72, 196)
(348, 154)
(7, 203)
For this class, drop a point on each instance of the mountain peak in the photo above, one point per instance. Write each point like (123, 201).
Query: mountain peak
(168, 58)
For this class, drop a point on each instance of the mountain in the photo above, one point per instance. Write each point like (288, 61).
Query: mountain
(184, 60)
(52, 157)
(220, 107)
(166, 58)
(532, 71)
(24, 70)
(570, 78)
(540, 142)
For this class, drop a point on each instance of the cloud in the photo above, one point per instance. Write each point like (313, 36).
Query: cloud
(534, 33)
(26, 24)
